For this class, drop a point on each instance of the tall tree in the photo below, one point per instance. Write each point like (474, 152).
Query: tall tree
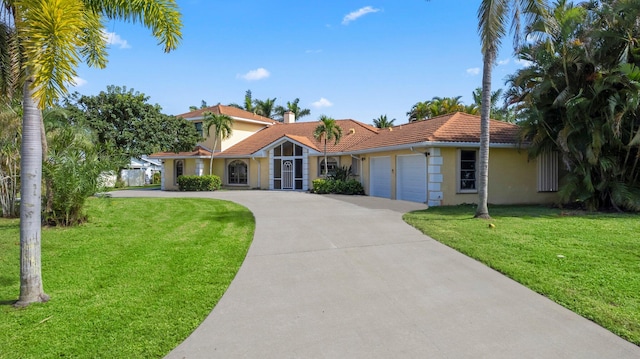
(327, 130)
(127, 124)
(294, 107)
(580, 98)
(383, 122)
(493, 18)
(248, 103)
(53, 37)
(203, 104)
(222, 129)
(266, 107)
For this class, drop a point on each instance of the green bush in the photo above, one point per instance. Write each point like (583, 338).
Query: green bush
(199, 183)
(324, 186)
(157, 177)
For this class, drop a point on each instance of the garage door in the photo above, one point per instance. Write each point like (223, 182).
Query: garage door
(411, 184)
(380, 184)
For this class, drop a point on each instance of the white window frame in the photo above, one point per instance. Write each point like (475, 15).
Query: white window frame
(459, 188)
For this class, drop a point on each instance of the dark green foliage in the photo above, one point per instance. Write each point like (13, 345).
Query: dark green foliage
(325, 186)
(580, 97)
(127, 124)
(340, 173)
(71, 171)
(199, 183)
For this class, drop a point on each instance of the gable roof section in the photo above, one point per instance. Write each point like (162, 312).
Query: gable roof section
(353, 133)
(229, 111)
(456, 128)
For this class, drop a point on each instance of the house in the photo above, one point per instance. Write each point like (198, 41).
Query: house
(432, 161)
(140, 171)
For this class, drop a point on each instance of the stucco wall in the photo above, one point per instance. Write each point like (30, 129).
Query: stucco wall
(512, 179)
(241, 130)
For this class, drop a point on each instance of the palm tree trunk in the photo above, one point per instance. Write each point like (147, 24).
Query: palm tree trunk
(326, 165)
(213, 150)
(31, 289)
(483, 174)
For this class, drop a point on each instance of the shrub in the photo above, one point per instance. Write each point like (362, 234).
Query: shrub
(324, 186)
(199, 183)
(157, 177)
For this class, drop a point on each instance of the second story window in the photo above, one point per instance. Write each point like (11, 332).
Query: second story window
(199, 128)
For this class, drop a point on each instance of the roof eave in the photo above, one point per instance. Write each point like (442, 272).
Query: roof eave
(409, 146)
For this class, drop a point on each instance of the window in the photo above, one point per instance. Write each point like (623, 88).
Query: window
(179, 169)
(355, 166)
(199, 128)
(467, 171)
(333, 164)
(237, 172)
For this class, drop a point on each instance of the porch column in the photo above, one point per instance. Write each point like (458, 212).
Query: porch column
(435, 178)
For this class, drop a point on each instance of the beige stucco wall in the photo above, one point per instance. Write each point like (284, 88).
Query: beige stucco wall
(240, 131)
(512, 177)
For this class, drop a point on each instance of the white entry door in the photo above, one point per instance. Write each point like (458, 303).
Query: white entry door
(380, 177)
(411, 183)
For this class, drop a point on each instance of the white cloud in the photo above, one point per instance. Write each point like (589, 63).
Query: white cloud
(115, 39)
(78, 82)
(503, 62)
(473, 71)
(523, 63)
(254, 75)
(322, 102)
(352, 16)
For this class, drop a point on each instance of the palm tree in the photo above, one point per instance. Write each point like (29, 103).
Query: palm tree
(383, 122)
(420, 111)
(328, 130)
(492, 23)
(222, 125)
(53, 37)
(293, 107)
(248, 103)
(265, 108)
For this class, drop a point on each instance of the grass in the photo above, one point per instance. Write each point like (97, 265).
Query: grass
(589, 263)
(133, 282)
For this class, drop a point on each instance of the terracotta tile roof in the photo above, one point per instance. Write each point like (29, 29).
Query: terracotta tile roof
(353, 133)
(455, 127)
(229, 111)
(357, 136)
(199, 151)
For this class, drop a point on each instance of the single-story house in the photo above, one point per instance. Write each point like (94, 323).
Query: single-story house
(432, 161)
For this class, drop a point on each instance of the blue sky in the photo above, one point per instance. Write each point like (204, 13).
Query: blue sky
(344, 59)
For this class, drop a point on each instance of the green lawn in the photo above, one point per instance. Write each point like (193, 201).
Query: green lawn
(589, 263)
(132, 283)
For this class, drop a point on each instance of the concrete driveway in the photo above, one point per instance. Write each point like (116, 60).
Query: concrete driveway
(345, 277)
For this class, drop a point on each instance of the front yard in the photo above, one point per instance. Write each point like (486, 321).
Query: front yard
(589, 263)
(134, 282)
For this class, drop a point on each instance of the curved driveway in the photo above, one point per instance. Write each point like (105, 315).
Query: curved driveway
(345, 277)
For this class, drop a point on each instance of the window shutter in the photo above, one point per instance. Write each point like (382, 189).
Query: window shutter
(548, 172)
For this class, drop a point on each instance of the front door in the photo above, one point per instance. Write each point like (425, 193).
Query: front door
(287, 174)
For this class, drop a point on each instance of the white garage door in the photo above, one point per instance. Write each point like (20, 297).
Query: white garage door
(380, 183)
(411, 183)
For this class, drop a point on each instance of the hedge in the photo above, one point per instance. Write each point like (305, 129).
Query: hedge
(199, 183)
(323, 186)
